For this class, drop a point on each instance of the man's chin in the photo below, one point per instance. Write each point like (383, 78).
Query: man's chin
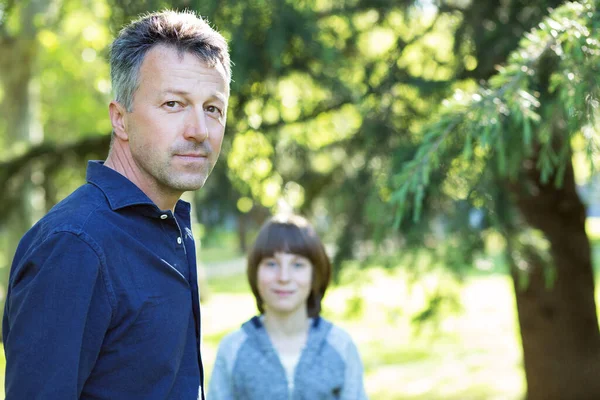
(184, 181)
(190, 185)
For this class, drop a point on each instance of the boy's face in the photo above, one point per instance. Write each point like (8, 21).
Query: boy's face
(284, 283)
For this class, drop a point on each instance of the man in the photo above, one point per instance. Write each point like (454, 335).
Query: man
(103, 297)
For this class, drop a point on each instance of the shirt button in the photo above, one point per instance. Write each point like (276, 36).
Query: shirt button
(164, 216)
(179, 240)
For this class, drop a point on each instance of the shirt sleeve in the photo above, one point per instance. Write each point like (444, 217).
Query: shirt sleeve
(353, 381)
(57, 312)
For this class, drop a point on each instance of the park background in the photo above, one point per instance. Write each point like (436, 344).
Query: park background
(445, 150)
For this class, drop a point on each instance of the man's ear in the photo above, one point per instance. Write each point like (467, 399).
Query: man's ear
(118, 115)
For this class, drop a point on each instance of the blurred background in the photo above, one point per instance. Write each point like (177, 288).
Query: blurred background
(444, 149)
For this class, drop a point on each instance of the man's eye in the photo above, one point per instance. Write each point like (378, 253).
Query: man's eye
(171, 104)
(213, 109)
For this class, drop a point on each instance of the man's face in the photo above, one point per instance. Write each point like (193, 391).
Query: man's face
(176, 125)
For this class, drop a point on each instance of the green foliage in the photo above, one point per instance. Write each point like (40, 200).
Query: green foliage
(338, 108)
(394, 353)
(329, 100)
(504, 123)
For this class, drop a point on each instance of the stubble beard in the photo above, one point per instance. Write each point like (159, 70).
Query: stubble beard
(182, 181)
(168, 179)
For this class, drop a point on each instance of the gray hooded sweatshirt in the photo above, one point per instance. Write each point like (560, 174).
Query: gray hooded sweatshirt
(248, 367)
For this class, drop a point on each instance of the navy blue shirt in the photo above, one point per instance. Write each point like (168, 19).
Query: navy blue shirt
(103, 299)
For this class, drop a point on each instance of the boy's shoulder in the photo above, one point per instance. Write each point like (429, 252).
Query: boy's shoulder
(340, 340)
(235, 338)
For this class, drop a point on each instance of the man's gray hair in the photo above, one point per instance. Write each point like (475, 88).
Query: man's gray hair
(184, 31)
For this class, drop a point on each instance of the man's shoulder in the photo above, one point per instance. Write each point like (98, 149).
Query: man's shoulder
(63, 228)
(73, 213)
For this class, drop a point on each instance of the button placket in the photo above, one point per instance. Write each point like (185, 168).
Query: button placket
(179, 237)
(180, 249)
(174, 253)
(166, 216)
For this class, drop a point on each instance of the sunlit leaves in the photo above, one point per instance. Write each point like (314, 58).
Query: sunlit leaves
(322, 162)
(505, 118)
(251, 168)
(328, 100)
(432, 56)
(461, 178)
(312, 115)
(334, 31)
(293, 194)
(326, 129)
(244, 204)
(48, 39)
(366, 20)
(270, 190)
(296, 93)
(73, 58)
(250, 156)
(254, 113)
(376, 42)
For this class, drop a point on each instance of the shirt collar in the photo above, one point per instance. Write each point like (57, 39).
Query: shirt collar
(120, 191)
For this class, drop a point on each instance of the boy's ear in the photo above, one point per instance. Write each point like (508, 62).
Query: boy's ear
(118, 119)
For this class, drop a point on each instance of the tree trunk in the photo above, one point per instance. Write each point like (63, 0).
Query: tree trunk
(556, 305)
(242, 232)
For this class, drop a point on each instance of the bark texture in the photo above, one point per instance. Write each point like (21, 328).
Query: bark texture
(556, 306)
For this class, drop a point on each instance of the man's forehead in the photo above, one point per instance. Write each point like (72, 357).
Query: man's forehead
(178, 73)
(182, 53)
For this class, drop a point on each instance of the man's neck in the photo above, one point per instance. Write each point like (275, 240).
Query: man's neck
(120, 160)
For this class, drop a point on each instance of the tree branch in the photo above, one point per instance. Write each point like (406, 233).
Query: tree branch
(92, 144)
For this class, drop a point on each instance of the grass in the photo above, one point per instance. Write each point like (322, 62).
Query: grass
(469, 355)
(218, 246)
(473, 354)
(215, 254)
(468, 352)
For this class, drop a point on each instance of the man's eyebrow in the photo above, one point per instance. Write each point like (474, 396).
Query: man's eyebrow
(218, 96)
(221, 97)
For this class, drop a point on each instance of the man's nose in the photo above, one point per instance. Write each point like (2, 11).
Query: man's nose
(196, 127)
